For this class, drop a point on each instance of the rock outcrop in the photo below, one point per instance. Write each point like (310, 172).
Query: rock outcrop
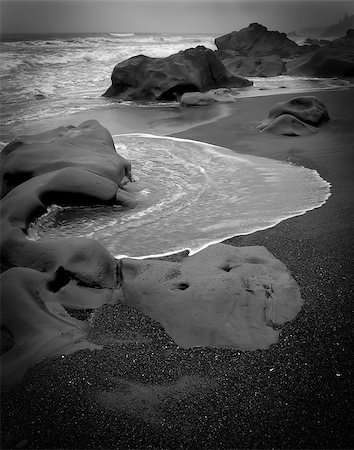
(150, 79)
(296, 117)
(221, 297)
(256, 40)
(251, 66)
(89, 148)
(68, 165)
(335, 58)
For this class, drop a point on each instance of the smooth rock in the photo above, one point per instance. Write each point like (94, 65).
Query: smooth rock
(166, 79)
(288, 125)
(308, 109)
(37, 321)
(223, 296)
(88, 147)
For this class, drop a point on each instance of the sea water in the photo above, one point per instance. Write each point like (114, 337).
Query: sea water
(192, 194)
(48, 76)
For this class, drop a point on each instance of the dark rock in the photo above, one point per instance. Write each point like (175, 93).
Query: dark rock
(256, 40)
(150, 79)
(250, 66)
(296, 117)
(287, 125)
(333, 58)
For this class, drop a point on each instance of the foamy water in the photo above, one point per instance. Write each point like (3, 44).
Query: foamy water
(192, 194)
(56, 76)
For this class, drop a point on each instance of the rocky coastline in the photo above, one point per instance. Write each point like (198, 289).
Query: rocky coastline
(191, 323)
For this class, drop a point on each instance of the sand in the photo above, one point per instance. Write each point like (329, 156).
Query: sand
(143, 391)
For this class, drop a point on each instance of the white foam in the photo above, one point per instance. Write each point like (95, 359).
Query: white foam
(198, 194)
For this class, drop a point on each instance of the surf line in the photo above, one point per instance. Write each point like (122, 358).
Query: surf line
(227, 153)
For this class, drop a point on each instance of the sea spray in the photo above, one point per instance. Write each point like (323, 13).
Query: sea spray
(192, 194)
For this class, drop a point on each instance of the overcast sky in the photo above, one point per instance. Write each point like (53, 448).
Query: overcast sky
(174, 16)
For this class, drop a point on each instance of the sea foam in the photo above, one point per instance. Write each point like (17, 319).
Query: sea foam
(192, 194)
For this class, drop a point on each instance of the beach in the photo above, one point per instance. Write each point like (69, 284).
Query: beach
(143, 391)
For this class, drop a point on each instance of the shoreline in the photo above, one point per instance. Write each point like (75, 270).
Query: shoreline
(296, 394)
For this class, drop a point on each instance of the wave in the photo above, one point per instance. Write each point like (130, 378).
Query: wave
(122, 35)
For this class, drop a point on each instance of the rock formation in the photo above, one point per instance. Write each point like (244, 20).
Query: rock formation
(223, 296)
(256, 40)
(88, 148)
(296, 117)
(251, 66)
(335, 58)
(149, 79)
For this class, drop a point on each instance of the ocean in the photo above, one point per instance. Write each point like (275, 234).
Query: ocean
(192, 193)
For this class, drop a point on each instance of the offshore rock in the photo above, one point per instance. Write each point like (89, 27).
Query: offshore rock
(256, 40)
(165, 79)
(335, 58)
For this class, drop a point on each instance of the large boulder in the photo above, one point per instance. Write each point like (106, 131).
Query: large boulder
(296, 117)
(149, 79)
(335, 58)
(287, 125)
(222, 296)
(88, 147)
(256, 40)
(256, 66)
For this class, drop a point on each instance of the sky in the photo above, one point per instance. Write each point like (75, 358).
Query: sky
(167, 16)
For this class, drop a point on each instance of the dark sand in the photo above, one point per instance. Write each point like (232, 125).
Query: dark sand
(142, 391)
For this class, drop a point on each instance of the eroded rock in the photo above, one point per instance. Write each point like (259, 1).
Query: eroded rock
(296, 117)
(88, 147)
(261, 66)
(287, 125)
(223, 296)
(256, 40)
(334, 58)
(193, 70)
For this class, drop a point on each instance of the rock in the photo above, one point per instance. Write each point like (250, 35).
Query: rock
(307, 109)
(250, 66)
(333, 58)
(205, 98)
(288, 125)
(38, 322)
(256, 40)
(195, 69)
(223, 296)
(88, 148)
(41, 278)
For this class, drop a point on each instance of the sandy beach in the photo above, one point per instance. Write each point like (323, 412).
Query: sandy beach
(143, 391)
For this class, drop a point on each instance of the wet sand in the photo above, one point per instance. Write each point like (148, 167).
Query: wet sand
(142, 391)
